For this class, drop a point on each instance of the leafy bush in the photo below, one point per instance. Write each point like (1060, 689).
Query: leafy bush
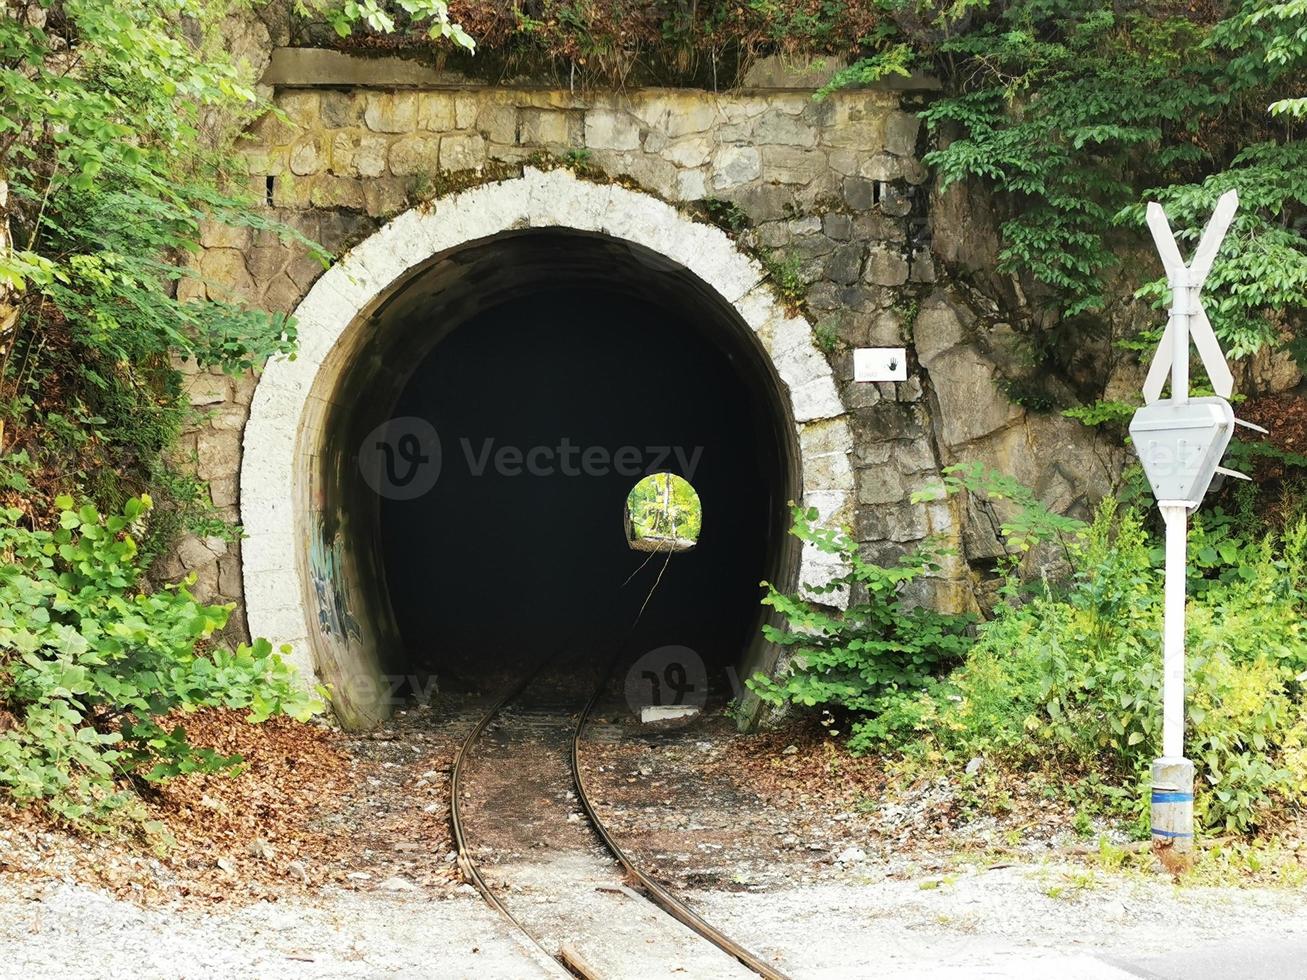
(89, 664)
(873, 653)
(1066, 676)
(1071, 679)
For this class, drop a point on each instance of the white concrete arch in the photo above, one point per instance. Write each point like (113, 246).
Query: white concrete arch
(279, 442)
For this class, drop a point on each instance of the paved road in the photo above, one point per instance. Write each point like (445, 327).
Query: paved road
(1274, 958)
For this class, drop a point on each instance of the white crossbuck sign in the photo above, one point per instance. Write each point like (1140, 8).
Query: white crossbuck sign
(1188, 319)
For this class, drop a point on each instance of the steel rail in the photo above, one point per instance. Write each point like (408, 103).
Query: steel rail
(466, 865)
(657, 894)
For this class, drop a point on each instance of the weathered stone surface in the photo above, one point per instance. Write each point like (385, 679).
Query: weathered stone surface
(415, 154)
(791, 165)
(844, 265)
(391, 112)
(327, 191)
(205, 390)
(901, 130)
(436, 112)
(343, 110)
(735, 165)
(607, 129)
(497, 122)
(837, 226)
(777, 127)
(939, 326)
(689, 151)
(306, 156)
(971, 404)
(859, 193)
(886, 266)
(225, 274)
(462, 152)
(546, 127)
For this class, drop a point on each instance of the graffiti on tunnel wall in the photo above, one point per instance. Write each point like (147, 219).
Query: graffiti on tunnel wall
(326, 569)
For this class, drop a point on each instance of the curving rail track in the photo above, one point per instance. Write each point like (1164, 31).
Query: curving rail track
(583, 903)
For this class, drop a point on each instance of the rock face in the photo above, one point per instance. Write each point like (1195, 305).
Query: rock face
(832, 192)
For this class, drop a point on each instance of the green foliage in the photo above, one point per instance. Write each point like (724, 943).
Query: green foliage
(430, 15)
(786, 274)
(1078, 113)
(1069, 103)
(1261, 278)
(1030, 523)
(868, 657)
(1102, 413)
(88, 665)
(895, 60)
(113, 158)
(1071, 679)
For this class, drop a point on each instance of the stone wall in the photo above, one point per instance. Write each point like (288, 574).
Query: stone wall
(831, 194)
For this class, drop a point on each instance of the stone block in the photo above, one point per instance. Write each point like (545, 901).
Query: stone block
(938, 328)
(336, 192)
(971, 405)
(901, 130)
(691, 185)
(779, 128)
(736, 165)
(343, 110)
(689, 151)
(385, 196)
(609, 129)
(466, 151)
(307, 156)
(302, 109)
(859, 193)
(792, 165)
(844, 265)
(281, 295)
(412, 155)
(225, 275)
(436, 112)
(837, 226)
(497, 122)
(545, 127)
(886, 266)
(391, 112)
(207, 390)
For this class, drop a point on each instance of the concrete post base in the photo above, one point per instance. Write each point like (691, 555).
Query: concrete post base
(1173, 813)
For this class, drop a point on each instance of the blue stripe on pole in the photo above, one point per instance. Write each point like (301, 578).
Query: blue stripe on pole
(1167, 796)
(1169, 833)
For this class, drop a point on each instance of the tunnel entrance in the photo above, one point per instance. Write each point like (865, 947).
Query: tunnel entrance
(440, 481)
(550, 407)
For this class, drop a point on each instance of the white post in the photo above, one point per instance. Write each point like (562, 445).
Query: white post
(1182, 308)
(1176, 517)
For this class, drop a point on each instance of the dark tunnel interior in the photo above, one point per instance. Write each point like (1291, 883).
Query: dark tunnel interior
(549, 408)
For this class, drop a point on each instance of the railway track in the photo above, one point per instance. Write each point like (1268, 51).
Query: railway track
(517, 788)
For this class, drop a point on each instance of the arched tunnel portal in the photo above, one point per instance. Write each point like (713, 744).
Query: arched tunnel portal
(466, 440)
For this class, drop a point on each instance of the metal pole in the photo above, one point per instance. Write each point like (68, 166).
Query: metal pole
(1173, 774)
(1176, 517)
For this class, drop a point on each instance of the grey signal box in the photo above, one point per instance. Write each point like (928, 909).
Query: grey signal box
(1181, 445)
